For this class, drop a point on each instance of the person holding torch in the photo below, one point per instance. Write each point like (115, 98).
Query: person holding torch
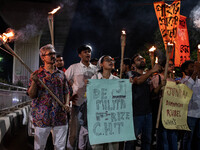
(48, 115)
(141, 94)
(166, 139)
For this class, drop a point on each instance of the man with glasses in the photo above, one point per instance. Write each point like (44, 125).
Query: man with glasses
(78, 74)
(48, 116)
(142, 110)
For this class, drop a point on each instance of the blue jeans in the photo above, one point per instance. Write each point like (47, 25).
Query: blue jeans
(166, 139)
(193, 123)
(142, 125)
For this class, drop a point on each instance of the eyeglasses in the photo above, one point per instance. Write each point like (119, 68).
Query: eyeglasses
(50, 54)
(109, 60)
(171, 65)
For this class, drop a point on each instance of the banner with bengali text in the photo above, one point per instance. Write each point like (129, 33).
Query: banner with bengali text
(168, 20)
(175, 106)
(182, 46)
(109, 111)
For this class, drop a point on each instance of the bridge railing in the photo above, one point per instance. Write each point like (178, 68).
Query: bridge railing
(12, 97)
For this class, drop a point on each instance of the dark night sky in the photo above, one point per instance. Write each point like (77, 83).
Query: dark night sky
(99, 23)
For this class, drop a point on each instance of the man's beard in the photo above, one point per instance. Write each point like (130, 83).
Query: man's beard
(142, 66)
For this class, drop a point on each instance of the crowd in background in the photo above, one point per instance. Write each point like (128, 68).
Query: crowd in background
(68, 125)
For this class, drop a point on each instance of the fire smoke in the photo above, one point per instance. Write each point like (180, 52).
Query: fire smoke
(195, 15)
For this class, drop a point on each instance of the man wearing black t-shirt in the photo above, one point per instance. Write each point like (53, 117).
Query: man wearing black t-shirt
(142, 111)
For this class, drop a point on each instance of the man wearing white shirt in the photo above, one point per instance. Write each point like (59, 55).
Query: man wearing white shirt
(77, 74)
(192, 80)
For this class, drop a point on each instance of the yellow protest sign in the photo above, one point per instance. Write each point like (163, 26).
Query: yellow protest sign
(175, 106)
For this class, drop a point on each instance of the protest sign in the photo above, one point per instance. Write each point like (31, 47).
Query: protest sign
(109, 111)
(175, 106)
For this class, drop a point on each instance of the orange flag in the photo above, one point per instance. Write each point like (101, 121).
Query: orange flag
(182, 46)
(168, 19)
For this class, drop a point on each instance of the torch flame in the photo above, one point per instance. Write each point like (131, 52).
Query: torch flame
(156, 61)
(54, 11)
(123, 32)
(170, 44)
(152, 49)
(6, 36)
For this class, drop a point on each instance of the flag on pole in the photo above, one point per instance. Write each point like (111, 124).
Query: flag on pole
(182, 46)
(168, 20)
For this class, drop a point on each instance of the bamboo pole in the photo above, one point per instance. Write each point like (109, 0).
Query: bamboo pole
(51, 27)
(123, 43)
(168, 54)
(22, 62)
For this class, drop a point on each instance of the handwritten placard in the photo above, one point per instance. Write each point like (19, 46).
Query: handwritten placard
(175, 106)
(109, 111)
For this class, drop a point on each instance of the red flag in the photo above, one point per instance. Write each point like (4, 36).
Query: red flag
(182, 46)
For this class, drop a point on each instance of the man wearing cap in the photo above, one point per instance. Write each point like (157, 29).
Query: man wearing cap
(78, 74)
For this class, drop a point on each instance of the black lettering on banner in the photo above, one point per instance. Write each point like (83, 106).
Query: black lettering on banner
(96, 125)
(168, 21)
(170, 121)
(119, 124)
(162, 9)
(182, 23)
(108, 128)
(172, 33)
(184, 48)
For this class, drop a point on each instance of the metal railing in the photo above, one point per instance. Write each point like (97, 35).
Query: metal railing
(12, 98)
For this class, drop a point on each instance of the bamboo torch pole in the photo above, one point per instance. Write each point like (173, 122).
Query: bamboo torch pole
(123, 43)
(151, 54)
(51, 23)
(168, 54)
(22, 62)
(51, 27)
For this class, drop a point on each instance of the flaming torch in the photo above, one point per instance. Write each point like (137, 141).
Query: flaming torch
(123, 43)
(156, 61)
(198, 53)
(151, 54)
(51, 23)
(3, 40)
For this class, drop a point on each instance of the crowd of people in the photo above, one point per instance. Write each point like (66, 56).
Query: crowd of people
(68, 124)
